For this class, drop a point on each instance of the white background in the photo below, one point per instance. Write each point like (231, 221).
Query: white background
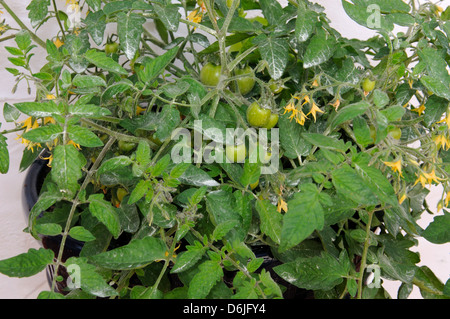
(14, 241)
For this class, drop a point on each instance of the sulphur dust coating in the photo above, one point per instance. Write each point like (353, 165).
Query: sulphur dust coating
(241, 309)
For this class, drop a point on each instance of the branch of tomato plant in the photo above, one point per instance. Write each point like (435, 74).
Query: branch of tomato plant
(59, 20)
(117, 135)
(231, 260)
(22, 25)
(77, 202)
(364, 254)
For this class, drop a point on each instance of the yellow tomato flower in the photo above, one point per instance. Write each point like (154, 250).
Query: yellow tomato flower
(195, 16)
(442, 141)
(314, 110)
(447, 199)
(282, 205)
(395, 166)
(402, 199)
(336, 104)
(419, 110)
(446, 120)
(428, 178)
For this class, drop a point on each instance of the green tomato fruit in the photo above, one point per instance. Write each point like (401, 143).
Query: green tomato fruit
(257, 116)
(245, 84)
(368, 85)
(396, 133)
(236, 153)
(121, 193)
(275, 87)
(126, 146)
(273, 120)
(111, 47)
(210, 74)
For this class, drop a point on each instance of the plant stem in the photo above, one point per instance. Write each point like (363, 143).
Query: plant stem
(76, 202)
(364, 255)
(59, 20)
(22, 25)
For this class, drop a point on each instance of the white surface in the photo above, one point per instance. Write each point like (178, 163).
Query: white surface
(14, 241)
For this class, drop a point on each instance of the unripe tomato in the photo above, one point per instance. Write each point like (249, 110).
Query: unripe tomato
(275, 87)
(273, 120)
(126, 146)
(396, 133)
(236, 153)
(368, 85)
(121, 193)
(257, 116)
(111, 47)
(245, 84)
(210, 74)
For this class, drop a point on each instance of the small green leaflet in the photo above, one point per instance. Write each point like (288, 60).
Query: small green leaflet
(129, 29)
(136, 254)
(105, 213)
(319, 50)
(27, 264)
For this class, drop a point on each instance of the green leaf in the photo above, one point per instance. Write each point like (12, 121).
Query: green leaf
(50, 295)
(27, 264)
(434, 108)
(168, 120)
(114, 164)
(315, 273)
(223, 228)
(362, 131)
(96, 25)
(275, 51)
(188, 258)
(359, 13)
(83, 136)
(271, 220)
(100, 60)
(88, 81)
(348, 113)
(348, 183)
(272, 11)
(252, 172)
(404, 272)
(49, 229)
(88, 110)
(320, 49)
(438, 231)
(221, 208)
(195, 176)
(80, 233)
(169, 15)
(139, 191)
(154, 67)
(325, 142)
(36, 109)
(203, 281)
(393, 113)
(378, 183)
(44, 134)
(23, 38)
(305, 214)
(10, 113)
(86, 276)
(380, 98)
(4, 155)
(105, 213)
(138, 253)
(129, 29)
(305, 23)
(37, 11)
(291, 141)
